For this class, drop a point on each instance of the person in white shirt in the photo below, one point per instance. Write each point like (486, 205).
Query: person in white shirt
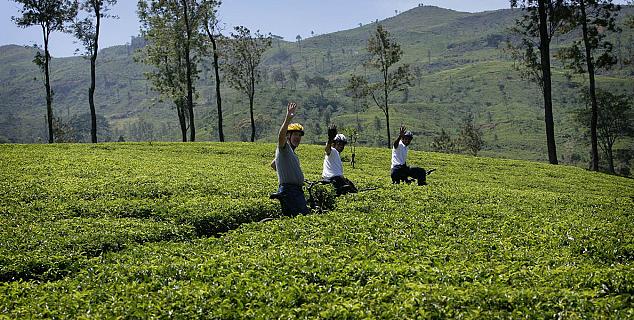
(400, 170)
(333, 168)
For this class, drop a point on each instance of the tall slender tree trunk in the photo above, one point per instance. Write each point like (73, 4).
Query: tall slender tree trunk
(47, 85)
(91, 90)
(190, 86)
(593, 94)
(387, 110)
(544, 41)
(180, 109)
(387, 122)
(221, 135)
(190, 103)
(251, 98)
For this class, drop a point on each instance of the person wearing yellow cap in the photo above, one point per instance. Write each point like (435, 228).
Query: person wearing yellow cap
(287, 166)
(333, 168)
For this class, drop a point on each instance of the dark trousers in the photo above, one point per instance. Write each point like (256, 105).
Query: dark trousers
(343, 185)
(403, 172)
(292, 200)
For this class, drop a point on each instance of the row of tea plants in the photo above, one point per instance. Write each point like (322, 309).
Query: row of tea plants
(170, 230)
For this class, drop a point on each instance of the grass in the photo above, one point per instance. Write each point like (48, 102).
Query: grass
(167, 230)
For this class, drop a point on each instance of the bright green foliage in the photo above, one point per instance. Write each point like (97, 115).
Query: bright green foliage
(120, 230)
(60, 208)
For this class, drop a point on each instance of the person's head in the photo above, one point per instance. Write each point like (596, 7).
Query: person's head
(407, 138)
(294, 133)
(340, 142)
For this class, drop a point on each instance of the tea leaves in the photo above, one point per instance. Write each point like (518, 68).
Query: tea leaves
(168, 230)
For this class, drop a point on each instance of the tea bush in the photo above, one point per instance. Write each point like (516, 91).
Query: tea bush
(164, 230)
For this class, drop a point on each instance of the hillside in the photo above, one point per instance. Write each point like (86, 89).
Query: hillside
(168, 229)
(464, 71)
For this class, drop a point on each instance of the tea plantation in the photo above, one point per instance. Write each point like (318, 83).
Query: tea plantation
(167, 230)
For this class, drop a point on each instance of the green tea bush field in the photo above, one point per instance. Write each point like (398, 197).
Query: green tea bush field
(162, 230)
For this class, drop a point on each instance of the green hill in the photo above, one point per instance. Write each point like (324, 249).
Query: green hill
(167, 230)
(464, 71)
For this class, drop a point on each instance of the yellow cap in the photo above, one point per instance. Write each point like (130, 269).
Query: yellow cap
(295, 127)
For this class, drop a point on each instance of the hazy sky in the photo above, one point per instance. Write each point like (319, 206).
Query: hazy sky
(287, 18)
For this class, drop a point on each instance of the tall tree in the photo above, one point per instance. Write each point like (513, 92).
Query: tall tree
(164, 27)
(614, 120)
(187, 11)
(244, 54)
(210, 22)
(384, 54)
(50, 15)
(541, 21)
(592, 52)
(87, 31)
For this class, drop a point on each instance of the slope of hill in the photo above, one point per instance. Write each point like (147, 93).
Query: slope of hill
(167, 229)
(465, 71)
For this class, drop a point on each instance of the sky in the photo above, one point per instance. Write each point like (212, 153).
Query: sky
(286, 18)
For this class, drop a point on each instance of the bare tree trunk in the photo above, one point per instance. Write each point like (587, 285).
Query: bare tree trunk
(387, 122)
(221, 135)
(251, 98)
(47, 85)
(91, 90)
(190, 87)
(547, 89)
(387, 110)
(593, 94)
(180, 108)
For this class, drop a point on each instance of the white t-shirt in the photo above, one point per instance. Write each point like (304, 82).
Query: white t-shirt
(332, 165)
(399, 154)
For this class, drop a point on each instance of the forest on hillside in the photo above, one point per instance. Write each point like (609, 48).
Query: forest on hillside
(461, 74)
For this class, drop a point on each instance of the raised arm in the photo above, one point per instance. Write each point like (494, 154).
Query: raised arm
(290, 113)
(332, 132)
(401, 133)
